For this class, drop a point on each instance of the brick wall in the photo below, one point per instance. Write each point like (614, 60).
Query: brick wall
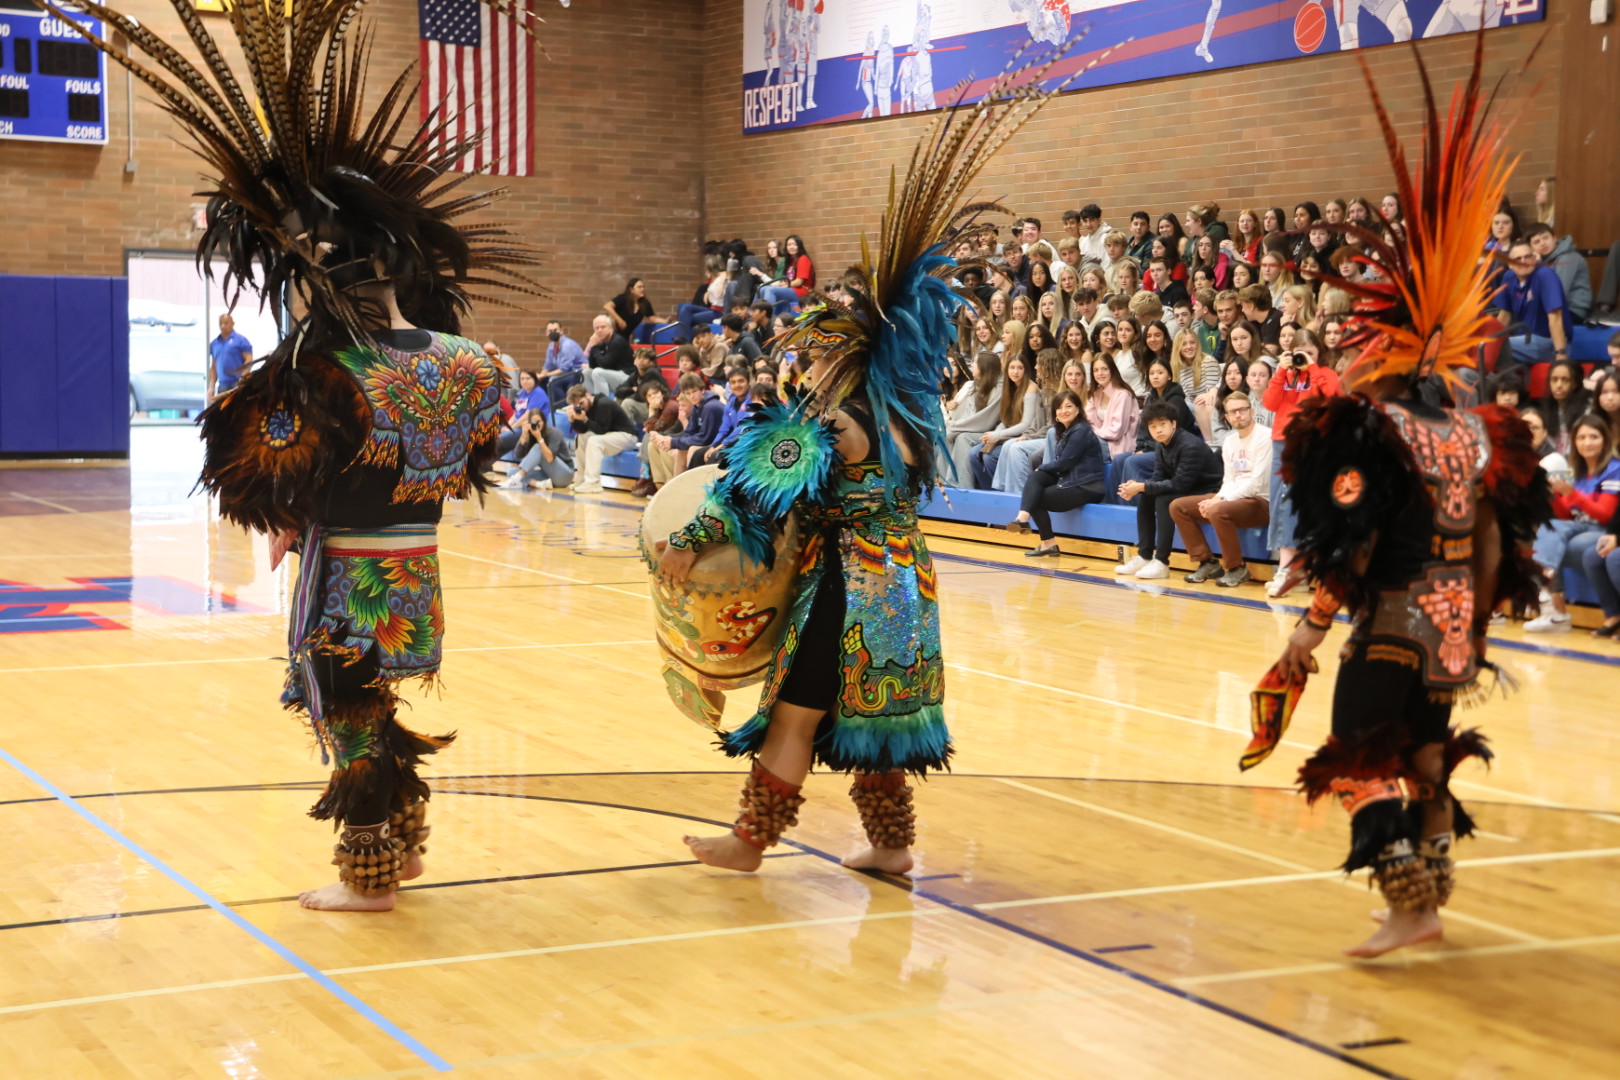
(627, 181)
(1245, 137)
(617, 191)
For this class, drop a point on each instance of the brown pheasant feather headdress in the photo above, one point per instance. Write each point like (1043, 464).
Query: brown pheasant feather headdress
(1421, 309)
(306, 191)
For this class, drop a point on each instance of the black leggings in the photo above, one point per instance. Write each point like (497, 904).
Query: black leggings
(1043, 497)
(1370, 694)
(813, 678)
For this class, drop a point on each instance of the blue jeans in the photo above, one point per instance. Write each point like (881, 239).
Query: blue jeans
(1284, 518)
(1603, 571)
(780, 297)
(1562, 545)
(690, 315)
(1018, 460)
(1127, 467)
(982, 463)
(1531, 350)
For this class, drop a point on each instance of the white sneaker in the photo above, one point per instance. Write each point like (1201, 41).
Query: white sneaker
(541, 485)
(1548, 622)
(1154, 569)
(586, 487)
(1136, 563)
(1278, 587)
(514, 479)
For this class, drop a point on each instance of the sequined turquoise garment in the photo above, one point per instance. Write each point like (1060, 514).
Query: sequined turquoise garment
(890, 710)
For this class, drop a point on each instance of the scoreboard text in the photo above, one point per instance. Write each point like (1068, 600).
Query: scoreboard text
(53, 83)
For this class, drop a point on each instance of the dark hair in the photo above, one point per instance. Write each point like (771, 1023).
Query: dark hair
(797, 239)
(1141, 215)
(1114, 378)
(1311, 209)
(1090, 212)
(1601, 426)
(1176, 230)
(1058, 399)
(1255, 294)
(1509, 381)
(734, 372)
(1251, 328)
(1070, 215)
(1046, 270)
(984, 384)
(1537, 229)
(1165, 332)
(1085, 294)
(732, 321)
(1563, 419)
(1160, 410)
(1147, 372)
(762, 392)
(531, 373)
(687, 352)
(1035, 221)
(761, 305)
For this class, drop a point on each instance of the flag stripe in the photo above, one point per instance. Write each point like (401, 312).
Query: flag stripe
(482, 92)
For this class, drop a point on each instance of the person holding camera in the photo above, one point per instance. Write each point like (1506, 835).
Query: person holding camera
(544, 457)
(601, 429)
(1298, 378)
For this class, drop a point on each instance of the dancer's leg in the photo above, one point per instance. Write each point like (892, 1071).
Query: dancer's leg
(771, 798)
(884, 802)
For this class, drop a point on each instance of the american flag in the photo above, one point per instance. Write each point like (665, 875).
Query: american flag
(479, 75)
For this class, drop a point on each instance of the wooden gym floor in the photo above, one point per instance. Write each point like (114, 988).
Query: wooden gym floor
(1099, 890)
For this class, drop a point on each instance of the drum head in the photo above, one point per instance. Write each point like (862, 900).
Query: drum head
(675, 504)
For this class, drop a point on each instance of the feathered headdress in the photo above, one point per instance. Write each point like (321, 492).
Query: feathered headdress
(304, 190)
(891, 332)
(1422, 311)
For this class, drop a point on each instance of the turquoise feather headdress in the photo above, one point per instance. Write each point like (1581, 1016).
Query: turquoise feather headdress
(889, 336)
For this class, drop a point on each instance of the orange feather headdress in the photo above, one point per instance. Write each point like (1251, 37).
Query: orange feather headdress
(1421, 311)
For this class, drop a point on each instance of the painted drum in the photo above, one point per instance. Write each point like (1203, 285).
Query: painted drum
(718, 629)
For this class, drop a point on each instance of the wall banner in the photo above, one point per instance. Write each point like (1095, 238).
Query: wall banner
(824, 61)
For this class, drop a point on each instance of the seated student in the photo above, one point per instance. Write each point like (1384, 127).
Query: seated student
(632, 312)
(1111, 408)
(663, 418)
(1506, 388)
(1022, 409)
(710, 350)
(632, 393)
(1070, 474)
(1533, 296)
(1183, 465)
(1020, 455)
(738, 338)
(704, 413)
(974, 411)
(738, 381)
(1582, 504)
(530, 395)
(1255, 301)
(1140, 463)
(1241, 503)
(1570, 266)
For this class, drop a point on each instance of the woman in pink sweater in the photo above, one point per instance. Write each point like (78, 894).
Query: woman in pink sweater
(1111, 408)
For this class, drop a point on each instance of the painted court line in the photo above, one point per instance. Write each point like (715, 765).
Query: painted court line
(325, 976)
(1405, 960)
(306, 969)
(1280, 879)
(1116, 704)
(263, 659)
(1473, 920)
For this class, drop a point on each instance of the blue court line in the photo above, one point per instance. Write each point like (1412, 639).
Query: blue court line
(1612, 660)
(390, 1028)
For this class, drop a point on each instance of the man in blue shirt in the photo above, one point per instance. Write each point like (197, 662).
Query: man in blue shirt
(228, 356)
(739, 380)
(1533, 295)
(564, 361)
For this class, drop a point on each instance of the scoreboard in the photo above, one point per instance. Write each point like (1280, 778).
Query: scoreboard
(53, 83)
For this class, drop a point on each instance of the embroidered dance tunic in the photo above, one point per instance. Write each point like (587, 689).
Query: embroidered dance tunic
(863, 636)
(357, 452)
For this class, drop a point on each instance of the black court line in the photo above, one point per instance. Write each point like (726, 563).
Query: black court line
(305, 785)
(1120, 948)
(1251, 604)
(112, 915)
(1092, 957)
(1367, 1044)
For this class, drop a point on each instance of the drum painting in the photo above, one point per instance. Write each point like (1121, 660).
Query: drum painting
(720, 627)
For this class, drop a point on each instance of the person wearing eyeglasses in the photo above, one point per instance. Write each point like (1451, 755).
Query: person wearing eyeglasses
(1533, 296)
(1241, 503)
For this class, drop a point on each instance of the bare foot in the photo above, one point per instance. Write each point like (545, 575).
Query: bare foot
(728, 852)
(339, 897)
(887, 859)
(1400, 929)
(413, 867)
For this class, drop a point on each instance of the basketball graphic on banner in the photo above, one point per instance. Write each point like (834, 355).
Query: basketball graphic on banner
(1310, 27)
